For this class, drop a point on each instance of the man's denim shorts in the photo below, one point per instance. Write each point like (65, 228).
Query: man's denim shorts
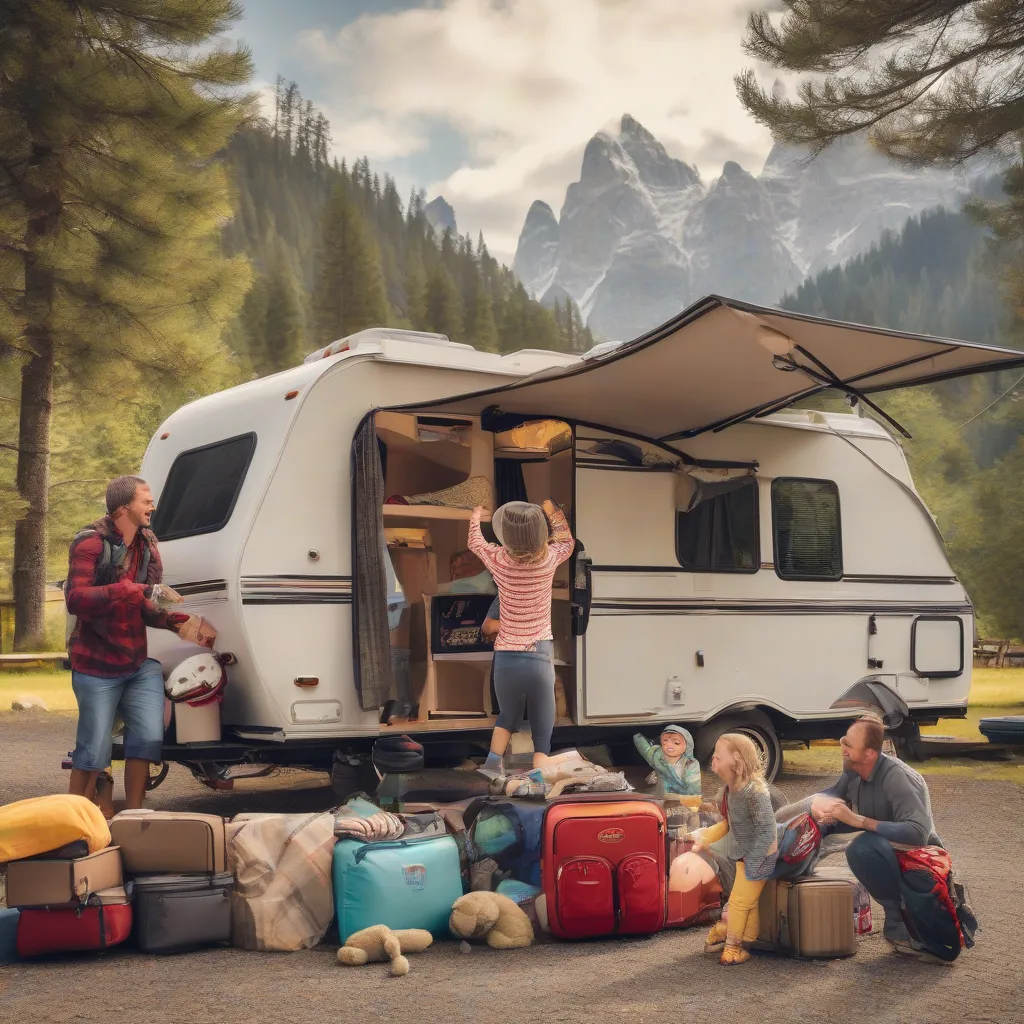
(138, 698)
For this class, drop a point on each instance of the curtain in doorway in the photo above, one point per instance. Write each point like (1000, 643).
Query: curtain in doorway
(375, 677)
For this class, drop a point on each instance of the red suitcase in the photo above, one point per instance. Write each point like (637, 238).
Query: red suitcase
(65, 930)
(603, 865)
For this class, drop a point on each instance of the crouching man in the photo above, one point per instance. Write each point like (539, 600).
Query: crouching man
(888, 802)
(113, 581)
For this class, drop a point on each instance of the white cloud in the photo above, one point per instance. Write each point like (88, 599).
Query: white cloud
(527, 82)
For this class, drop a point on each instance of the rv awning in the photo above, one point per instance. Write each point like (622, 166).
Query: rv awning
(723, 361)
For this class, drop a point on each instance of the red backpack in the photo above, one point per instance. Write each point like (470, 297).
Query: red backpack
(934, 906)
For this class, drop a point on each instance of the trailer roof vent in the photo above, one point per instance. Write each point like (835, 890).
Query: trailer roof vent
(375, 336)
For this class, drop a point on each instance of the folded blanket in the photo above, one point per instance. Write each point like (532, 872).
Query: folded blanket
(379, 826)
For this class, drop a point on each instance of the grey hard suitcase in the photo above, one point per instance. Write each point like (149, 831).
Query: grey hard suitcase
(174, 913)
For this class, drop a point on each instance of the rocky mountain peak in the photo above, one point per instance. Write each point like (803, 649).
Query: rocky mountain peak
(640, 236)
(440, 215)
(537, 251)
(605, 162)
(654, 165)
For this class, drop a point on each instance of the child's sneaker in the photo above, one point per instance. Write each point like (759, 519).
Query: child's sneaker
(716, 937)
(493, 767)
(734, 955)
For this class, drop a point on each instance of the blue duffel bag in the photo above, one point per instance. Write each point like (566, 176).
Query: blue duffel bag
(507, 831)
(402, 883)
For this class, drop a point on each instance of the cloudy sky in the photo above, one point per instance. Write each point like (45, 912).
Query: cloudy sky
(490, 102)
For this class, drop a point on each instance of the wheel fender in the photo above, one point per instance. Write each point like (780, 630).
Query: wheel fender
(873, 694)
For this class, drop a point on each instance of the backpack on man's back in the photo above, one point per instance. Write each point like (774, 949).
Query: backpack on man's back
(107, 568)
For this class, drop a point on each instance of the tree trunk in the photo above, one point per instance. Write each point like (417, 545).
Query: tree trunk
(33, 479)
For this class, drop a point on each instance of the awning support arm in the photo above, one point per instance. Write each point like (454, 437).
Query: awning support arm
(830, 379)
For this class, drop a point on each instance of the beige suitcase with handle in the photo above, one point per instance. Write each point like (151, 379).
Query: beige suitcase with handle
(169, 842)
(808, 917)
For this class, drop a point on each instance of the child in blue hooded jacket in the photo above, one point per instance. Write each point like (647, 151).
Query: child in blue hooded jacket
(676, 770)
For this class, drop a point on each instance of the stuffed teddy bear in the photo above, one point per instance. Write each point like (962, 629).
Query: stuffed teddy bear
(500, 919)
(379, 943)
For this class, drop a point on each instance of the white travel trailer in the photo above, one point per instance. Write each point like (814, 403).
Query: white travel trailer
(741, 565)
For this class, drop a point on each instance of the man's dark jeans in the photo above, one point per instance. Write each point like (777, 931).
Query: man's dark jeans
(873, 860)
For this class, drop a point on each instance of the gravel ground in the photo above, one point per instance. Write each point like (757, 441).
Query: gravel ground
(636, 981)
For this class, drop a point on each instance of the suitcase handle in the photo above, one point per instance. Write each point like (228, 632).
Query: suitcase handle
(87, 902)
(606, 798)
(365, 848)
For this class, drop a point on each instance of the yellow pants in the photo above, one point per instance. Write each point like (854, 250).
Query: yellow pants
(744, 922)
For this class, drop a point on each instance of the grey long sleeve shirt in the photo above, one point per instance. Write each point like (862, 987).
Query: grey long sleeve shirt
(752, 830)
(895, 796)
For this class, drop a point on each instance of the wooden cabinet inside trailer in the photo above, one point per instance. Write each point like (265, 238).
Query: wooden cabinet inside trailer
(424, 454)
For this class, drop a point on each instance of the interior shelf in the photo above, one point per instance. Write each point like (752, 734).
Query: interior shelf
(431, 512)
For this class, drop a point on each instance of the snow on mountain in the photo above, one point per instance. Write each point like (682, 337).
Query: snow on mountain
(640, 235)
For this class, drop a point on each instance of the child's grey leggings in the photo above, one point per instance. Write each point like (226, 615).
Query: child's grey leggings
(526, 679)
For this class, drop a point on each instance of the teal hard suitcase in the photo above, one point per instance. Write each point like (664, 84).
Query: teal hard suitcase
(403, 883)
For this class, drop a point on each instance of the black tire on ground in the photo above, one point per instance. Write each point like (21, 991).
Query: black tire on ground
(754, 724)
(908, 741)
(348, 779)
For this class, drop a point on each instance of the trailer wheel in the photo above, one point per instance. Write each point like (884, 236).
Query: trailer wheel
(756, 726)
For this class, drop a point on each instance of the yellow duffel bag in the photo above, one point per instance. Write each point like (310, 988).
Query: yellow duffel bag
(45, 823)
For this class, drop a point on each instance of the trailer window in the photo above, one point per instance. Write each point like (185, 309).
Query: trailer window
(202, 488)
(808, 538)
(721, 534)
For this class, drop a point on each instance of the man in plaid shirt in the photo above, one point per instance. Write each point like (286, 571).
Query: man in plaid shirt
(113, 601)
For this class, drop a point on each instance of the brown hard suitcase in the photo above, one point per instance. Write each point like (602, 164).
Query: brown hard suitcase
(58, 883)
(808, 917)
(170, 842)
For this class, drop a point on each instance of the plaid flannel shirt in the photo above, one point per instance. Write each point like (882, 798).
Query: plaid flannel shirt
(109, 639)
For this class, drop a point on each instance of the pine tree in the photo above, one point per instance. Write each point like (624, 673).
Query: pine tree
(283, 326)
(485, 330)
(895, 68)
(444, 308)
(415, 290)
(111, 272)
(349, 294)
(248, 335)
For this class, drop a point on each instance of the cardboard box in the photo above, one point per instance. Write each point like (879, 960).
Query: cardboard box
(53, 883)
(170, 842)
(416, 571)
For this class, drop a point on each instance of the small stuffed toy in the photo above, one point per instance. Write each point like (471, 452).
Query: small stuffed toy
(500, 919)
(379, 942)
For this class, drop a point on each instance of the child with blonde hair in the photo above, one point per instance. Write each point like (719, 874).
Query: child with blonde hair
(750, 823)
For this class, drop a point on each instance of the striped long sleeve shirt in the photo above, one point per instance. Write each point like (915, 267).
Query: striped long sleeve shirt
(523, 590)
